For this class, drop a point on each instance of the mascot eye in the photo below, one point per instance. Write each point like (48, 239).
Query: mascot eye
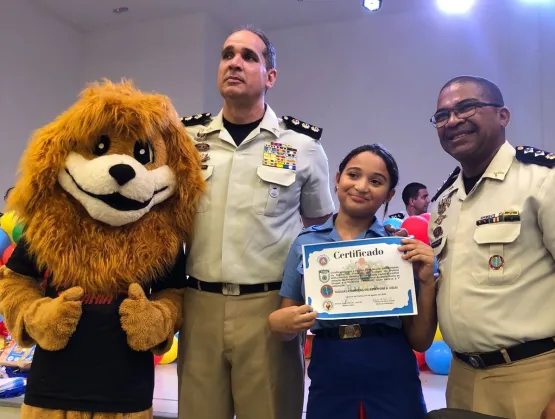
(102, 146)
(143, 152)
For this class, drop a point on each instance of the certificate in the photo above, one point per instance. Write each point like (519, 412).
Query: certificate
(358, 278)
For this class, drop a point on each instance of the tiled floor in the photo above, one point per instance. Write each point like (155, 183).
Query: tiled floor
(165, 392)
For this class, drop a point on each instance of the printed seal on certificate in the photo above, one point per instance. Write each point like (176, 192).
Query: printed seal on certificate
(358, 278)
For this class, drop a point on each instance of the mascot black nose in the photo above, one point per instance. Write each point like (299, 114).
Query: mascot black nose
(122, 173)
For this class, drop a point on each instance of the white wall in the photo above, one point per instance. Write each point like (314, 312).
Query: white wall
(40, 74)
(214, 36)
(377, 80)
(166, 55)
(371, 80)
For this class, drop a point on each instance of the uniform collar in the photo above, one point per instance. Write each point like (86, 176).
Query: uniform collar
(376, 229)
(497, 170)
(501, 163)
(270, 122)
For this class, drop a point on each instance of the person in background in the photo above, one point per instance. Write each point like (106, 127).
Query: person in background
(375, 366)
(492, 229)
(416, 199)
(267, 177)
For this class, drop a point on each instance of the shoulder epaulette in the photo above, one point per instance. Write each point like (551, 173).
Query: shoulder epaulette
(534, 155)
(398, 215)
(199, 119)
(302, 127)
(450, 180)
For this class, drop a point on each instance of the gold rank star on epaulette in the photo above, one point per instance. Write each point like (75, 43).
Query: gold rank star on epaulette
(198, 119)
(302, 127)
(532, 155)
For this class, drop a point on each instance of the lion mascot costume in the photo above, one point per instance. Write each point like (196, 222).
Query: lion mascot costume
(107, 192)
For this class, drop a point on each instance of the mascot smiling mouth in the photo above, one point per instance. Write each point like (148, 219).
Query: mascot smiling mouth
(115, 189)
(117, 200)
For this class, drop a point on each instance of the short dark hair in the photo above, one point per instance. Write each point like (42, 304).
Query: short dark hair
(381, 152)
(269, 52)
(489, 89)
(411, 191)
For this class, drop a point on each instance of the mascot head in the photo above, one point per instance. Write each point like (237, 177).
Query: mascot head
(112, 181)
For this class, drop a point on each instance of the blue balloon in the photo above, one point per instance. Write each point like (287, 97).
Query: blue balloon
(393, 222)
(438, 358)
(4, 241)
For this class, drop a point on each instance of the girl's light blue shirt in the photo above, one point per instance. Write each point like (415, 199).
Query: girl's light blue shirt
(292, 286)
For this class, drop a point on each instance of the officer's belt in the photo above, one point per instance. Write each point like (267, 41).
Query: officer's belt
(231, 289)
(508, 355)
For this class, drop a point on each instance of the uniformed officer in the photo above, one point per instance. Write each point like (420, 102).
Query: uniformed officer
(493, 232)
(265, 176)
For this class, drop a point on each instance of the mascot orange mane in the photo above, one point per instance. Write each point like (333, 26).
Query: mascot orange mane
(107, 192)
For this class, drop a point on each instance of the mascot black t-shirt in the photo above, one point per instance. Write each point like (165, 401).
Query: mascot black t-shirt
(96, 349)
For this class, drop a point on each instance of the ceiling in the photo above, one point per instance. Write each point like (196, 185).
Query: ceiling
(90, 15)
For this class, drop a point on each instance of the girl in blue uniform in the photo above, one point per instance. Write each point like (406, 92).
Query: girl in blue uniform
(375, 375)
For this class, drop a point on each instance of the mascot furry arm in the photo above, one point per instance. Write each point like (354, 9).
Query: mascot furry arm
(108, 193)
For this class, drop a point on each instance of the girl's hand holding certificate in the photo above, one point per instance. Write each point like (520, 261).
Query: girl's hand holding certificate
(422, 257)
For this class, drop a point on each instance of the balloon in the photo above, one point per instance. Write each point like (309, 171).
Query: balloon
(5, 241)
(171, 355)
(439, 357)
(7, 253)
(438, 335)
(17, 231)
(8, 222)
(157, 359)
(417, 227)
(426, 216)
(420, 358)
(393, 222)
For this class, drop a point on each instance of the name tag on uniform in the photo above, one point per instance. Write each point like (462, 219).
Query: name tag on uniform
(280, 155)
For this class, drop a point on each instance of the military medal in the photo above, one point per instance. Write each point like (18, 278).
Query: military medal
(438, 231)
(496, 262)
(440, 219)
(443, 205)
(202, 146)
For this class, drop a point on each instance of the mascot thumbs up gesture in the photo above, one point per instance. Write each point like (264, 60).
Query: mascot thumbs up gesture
(107, 192)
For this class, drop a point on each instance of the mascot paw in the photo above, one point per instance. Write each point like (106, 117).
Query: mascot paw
(52, 321)
(147, 323)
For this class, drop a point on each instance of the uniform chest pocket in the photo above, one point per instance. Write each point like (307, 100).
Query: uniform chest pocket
(205, 199)
(496, 260)
(273, 190)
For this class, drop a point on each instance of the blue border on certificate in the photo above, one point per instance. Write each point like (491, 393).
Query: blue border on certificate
(308, 249)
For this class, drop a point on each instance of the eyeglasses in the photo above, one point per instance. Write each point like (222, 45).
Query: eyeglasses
(462, 110)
